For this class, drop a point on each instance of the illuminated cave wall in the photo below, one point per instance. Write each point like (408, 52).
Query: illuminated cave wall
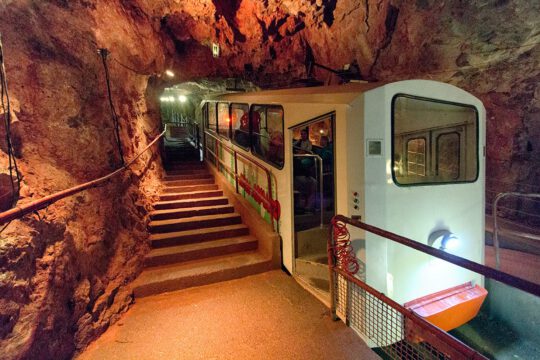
(64, 273)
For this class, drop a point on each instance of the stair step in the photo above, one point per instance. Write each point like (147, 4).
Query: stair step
(186, 166)
(196, 222)
(190, 212)
(187, 177)
(188, 171)
(191, 195)
(197, 235)
(189, 188)
(187, 182)
(199, 272)
(186, 203)
(188, 252)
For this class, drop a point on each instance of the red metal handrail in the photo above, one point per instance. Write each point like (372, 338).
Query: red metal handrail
(491, 273)
(413, 324)
(20, 211)
(236, 155)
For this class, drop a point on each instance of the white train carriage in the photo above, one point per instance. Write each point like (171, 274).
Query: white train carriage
(407, 157)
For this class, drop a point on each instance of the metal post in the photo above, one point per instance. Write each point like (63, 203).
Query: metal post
(496, 231)
(496, 244)
(331, 264)
(269, 180)
(321, 189)
(236, 172)
(196, 135)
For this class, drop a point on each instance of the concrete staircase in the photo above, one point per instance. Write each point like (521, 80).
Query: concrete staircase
(197, 237)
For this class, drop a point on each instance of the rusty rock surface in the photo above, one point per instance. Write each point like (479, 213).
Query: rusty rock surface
(64, 273)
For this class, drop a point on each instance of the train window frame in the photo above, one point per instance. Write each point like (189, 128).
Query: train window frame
(251, 133)
(437, 157)
(392, 142)
(425, 153)
(207, 122)
(228, 136)
(248, 148)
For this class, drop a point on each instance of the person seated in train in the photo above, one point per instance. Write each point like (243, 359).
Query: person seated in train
(241, 134)
(303, 145)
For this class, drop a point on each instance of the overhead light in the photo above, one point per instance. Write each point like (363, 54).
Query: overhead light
(169, 73)
(164, 99)
(171, 98)
(182, 98)
(321, 131)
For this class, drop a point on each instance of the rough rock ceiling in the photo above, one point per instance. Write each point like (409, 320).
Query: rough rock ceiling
(490, 48)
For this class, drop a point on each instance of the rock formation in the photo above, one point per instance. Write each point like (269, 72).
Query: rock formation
(64, 271)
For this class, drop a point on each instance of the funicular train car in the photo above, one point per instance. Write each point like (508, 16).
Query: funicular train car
(407, 157)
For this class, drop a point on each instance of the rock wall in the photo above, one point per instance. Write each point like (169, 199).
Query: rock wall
(64, 272)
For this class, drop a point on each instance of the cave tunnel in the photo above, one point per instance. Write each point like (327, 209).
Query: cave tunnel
(175, 168)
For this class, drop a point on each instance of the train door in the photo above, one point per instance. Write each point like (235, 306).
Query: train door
(314, 199)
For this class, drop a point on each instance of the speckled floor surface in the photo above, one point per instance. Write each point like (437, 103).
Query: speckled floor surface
(265, 316)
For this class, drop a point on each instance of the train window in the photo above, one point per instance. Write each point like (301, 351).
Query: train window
(416, 157)
(212, 116)
(224, 121)
(448, 146)
(240, 125)
(267, 133)
(433, 142)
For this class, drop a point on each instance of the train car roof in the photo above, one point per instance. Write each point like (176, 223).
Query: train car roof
(336, 94)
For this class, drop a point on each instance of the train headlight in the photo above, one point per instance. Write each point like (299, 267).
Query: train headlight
(448, 240)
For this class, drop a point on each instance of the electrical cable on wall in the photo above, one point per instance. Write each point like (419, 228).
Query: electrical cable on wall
(14, 173)
(104, 54)
(132, 69)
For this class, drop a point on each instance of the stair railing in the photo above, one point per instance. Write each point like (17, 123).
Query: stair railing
(496, 244)
(395, 330)
(270, 203)
(20, 211)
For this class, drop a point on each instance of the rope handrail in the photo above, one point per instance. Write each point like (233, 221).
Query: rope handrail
(20, 211)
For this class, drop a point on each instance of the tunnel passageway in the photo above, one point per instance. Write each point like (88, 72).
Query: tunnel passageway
(234, 319)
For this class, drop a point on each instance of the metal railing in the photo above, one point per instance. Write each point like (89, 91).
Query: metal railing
(20, 211)
(395, 330)
(194, 133)
(271, 204)
(319, 171)
(496, 244)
